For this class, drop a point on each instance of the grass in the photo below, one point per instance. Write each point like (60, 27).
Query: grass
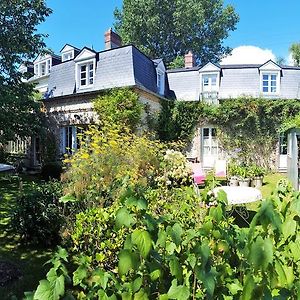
(269, 185)
(29, 259)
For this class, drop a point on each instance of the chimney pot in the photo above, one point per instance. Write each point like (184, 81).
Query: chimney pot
(189, 60)
(112, 40)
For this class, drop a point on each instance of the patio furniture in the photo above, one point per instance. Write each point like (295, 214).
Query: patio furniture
(198, 173)
(6, 168)
(237, 197)
(221, 169)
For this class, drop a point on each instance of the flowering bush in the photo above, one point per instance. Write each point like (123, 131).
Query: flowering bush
(175, 170)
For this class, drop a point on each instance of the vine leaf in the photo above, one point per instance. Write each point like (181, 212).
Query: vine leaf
(143, 241)
(261, 253)
(178, 292)
(127, 261)
(124, 218)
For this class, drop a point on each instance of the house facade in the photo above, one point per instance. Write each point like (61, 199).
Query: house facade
(212, 83)
(70, 82)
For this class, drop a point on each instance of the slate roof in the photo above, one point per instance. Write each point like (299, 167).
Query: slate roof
(119, 67)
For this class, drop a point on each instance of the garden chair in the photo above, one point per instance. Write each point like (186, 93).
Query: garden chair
(221, 169)
(198, 173)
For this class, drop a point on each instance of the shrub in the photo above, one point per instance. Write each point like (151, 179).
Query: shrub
(37, 216)
(51, 170)
(109, 161)
(119, 106)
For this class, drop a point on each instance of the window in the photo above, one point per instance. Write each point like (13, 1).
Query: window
(67, 56)
(283, 144)
(86, 74)
(43, 68)
(209, 82)
(70, 138)
(36, 70)
(160, 83)
(270, 83)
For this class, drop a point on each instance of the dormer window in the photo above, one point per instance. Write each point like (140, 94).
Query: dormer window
(67, 56)
(85, 68)
(270, 79)
(42, 67)
(209, 82)
(270, 83)
(86, 74)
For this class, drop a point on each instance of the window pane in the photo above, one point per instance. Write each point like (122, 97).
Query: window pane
(273, 89)
(83, 68)
(265, 77)
(265, 89)
(205, 132)
(273, 77)
(265, 83)
(205, 80)
(83, 82)
(213, 132)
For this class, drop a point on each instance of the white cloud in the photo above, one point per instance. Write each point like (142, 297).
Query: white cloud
(248, 55)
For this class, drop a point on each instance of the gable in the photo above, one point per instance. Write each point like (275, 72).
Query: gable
(85, 54)
(210, 67)
(67, 48)
(270, 66)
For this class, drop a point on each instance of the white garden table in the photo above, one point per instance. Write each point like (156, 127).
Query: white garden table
(238, 196)
(6, 168)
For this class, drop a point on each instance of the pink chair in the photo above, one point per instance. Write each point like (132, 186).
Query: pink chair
(221, 168)
(198, 173)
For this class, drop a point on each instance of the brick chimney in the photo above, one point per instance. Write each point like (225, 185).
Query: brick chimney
(112, 40)
(189, 60)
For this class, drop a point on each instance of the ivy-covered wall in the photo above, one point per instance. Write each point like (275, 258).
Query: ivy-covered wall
(251, 125)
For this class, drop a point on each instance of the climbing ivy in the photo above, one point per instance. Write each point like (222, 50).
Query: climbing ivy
(249, 124)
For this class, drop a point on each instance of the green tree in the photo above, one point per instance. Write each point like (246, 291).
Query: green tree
(19, 43)
(295, 51)
(168, 29)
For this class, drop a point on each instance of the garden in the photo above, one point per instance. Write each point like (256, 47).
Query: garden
(126, 222)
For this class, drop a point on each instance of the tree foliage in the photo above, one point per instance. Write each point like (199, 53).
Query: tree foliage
(19, 43)
(168, 29)
(295, 51)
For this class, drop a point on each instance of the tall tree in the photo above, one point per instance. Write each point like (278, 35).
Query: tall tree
(19, 43)
(168, 29)
(295, 51)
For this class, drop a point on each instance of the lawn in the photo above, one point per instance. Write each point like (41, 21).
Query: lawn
(28, 259)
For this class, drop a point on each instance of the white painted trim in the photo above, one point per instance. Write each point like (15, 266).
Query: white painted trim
(84, 55)
(269, 73)
(209, 67)
(77, 73)
(270, 66)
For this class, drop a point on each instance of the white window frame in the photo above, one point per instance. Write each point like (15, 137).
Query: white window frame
(211, 90)
(38, 66)
(86, 63)
(65, 147)
(269, 74)
(68, 55)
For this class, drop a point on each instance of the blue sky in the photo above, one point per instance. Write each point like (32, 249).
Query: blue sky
(270, 24)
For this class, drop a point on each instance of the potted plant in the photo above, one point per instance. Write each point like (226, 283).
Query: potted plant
(257, 174)
(233, 174)
(243, 175)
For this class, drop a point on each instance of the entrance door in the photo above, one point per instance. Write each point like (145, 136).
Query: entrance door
(209, 147)
(283, 152)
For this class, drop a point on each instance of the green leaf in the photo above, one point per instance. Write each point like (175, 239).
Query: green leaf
(124, 218)
(176, 234)
(162, 238)
(29, 295)
(154, 275)
(126, 296)
(261, 253)
(143, 241)
(175, 268)
(62, 254)
(205, 253)
(43, 291)
(67, 199)
(163, 297)
(285, 274)
(170, 247)
(295, 249)
(141, 295)
(79, 275)
(289, 228)
(127, 261)
(248, 288)
(234, 287)
(179, 292)
(136, 285)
